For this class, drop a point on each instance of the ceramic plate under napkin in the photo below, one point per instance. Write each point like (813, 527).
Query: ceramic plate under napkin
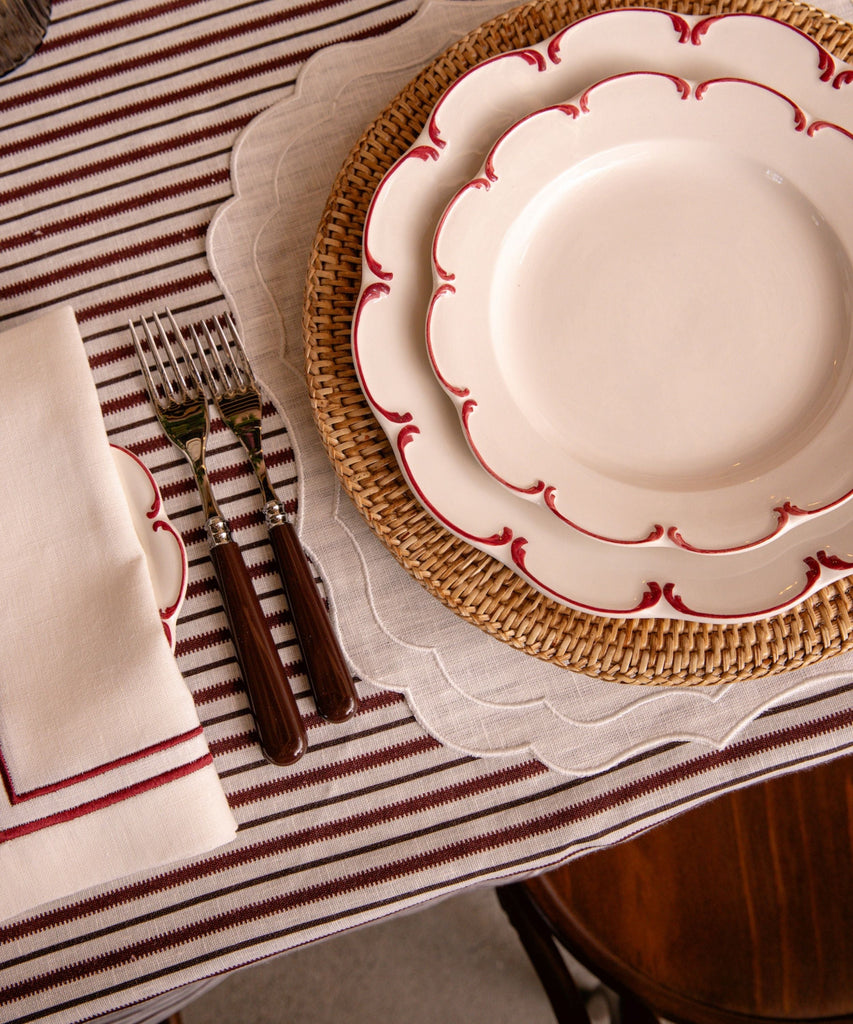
(104, 766)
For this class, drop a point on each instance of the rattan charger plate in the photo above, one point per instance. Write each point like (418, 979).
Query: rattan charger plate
(473, 584)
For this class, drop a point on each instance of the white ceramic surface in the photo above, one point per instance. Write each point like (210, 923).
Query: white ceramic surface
(388, 331)
(475, 694)
(642, 312)
(162, 544)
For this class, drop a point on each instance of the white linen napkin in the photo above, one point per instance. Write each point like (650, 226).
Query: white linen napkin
(104, 770)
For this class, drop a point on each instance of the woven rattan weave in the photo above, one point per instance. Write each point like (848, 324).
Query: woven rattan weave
(473, 584)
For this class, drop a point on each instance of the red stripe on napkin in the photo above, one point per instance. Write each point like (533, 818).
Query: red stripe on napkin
(91, 773)
(106, 801)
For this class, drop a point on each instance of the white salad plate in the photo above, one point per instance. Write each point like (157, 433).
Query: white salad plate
(573, 567)
(642, 312)
(161, 543)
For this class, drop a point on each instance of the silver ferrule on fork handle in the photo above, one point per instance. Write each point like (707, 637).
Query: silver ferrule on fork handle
(218, 531)
(274, 513)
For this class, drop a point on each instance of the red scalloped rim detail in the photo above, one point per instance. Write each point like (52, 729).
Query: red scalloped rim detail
(800, 120)
(422, 153)
(651, 597)
(404, 439)
(817, 126)
(425, 152)
(813, 574)
(834, 562)
(472, 186)
(168, 613)
(437, 296)
(682, 29)
(656, 532)
(370, 294)
(532, 489)
(654, 593)
(825, 62)
(159, 523)
(680, 84)
(784, 516)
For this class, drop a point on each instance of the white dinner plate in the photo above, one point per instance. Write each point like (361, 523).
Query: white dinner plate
(421, 423)
(642, 312)
(164, 550)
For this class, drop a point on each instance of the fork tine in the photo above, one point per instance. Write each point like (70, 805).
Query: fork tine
(190, 362)
(166, 384)
(206, 369)
(217, 357)
(143, 362)
(232, 341)
(174, 361)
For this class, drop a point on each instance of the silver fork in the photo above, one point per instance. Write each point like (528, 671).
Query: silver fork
(182, 409)
(234, 390)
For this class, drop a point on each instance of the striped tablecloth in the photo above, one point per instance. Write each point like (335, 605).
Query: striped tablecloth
(115, 142)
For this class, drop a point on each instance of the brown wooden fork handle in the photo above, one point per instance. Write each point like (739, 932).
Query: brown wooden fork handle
(330, 679)
(280, 728)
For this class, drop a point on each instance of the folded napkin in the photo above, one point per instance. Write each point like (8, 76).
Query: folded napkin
(104, 770)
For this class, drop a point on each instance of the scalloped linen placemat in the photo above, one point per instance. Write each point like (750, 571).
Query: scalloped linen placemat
(473, 584)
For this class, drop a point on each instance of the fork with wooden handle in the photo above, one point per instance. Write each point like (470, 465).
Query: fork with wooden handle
(233, 388)
(182, 409)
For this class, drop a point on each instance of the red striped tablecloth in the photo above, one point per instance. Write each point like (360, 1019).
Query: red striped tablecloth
(114, 156)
